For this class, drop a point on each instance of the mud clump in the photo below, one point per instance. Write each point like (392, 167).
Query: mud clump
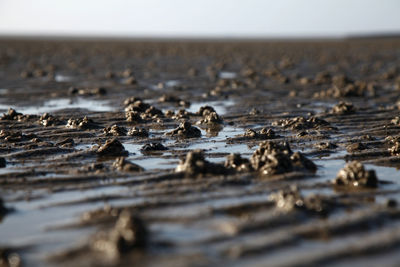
(114, 130)
(133, 116)
(138, 132)
(291, 199)
(185, 130)
(12, 114)
(100, 91)
(346, 88)
(9, 258)
(343, 108)
(152, 147)
(49, 120)
(173, 99)
(395, 148)
(15, 136)
(83, 124)
(209, 115)
(128, 234)
(180, 114)
(326, 146)
(302, 123)
(264, 133)
(122, 164)
(301, 162)
(236, 162)
(354, 175)
(135, 106)
(205, 110)
(211, 118)
(356, 147)
(195, 164)
(396, 121)
(112, 148)
(276, 158)
(92, 168)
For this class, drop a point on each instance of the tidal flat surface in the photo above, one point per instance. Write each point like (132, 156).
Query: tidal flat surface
(200, 153)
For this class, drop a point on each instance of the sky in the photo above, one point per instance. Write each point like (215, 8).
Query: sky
(201, 18)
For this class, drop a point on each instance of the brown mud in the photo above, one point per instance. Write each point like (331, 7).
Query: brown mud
(200, 153)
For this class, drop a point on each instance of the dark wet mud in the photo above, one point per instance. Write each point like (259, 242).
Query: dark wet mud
(200, 153)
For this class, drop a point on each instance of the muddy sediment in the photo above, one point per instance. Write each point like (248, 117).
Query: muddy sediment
(218, 153)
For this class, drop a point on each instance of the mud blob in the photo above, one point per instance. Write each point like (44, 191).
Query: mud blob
(211, 118)
(354, 175)
(302, 123)
(133, 116)
(343, 108)
(153, 147)
(205, 110)
(185, 130)
(173, 99)
(121, 164)
(48, 120)
(12, 114)
(342, 86)
(236, 162)
(83, 124)
(138, 132)
(15, 136)
(264, 133)
(92, 167)
(326, 146)
(395, 148)
(114, 130)
(112, 148)
(356, 147)
(100, 91)
(195, 164)
(135, 106)
(277, 158)
(291, 199)
(8, 258)
(128, 234)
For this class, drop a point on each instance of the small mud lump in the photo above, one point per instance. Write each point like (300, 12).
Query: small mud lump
(343, 108)
(124, 165)
(112, 148)
(114, 130)
(153, 147)
(236, 162)
(83, 124)
(138, 132)
(129, 233)
(185, 130)
(194, 164)
(276, 158)
(291, 199)
(354, 175)
(211, 118)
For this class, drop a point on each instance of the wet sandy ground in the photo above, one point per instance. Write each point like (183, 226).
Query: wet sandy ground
(67, 201)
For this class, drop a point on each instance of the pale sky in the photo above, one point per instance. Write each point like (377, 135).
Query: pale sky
(201, 18)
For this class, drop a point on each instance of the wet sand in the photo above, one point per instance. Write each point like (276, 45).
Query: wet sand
(102, 163)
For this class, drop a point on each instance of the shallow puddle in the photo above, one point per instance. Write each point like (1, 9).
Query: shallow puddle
(63, 103)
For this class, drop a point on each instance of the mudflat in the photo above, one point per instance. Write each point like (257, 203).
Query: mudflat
(200, 153)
